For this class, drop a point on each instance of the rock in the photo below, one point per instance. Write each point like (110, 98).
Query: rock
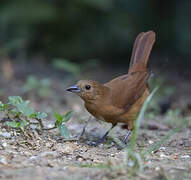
(4, 144)
(5, 135)
(185, 156)
(33, 158)
(163, 156)
(26, 153)
(187, 143)
(67, 148)
(49, 145)
(48, 153)
(162, 149)
(150, 142)
(3, 160)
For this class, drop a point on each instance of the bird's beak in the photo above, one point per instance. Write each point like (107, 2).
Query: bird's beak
(74, 89)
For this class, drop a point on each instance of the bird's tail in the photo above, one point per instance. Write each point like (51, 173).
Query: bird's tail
(141, 51)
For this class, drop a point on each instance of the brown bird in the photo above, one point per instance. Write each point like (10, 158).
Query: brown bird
(120, 100)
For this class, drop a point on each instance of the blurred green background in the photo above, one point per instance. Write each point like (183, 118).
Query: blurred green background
(84, 29)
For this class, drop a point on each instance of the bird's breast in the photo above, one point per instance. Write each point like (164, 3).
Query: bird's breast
(94, 110)
(102, 112)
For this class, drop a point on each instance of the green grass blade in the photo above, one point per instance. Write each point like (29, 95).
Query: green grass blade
(140, 118)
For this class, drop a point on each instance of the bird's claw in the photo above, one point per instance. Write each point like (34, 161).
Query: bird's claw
(93, 143)
(120, 147)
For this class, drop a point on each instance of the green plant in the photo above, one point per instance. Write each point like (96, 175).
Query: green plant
(73, 68)
(135, 160)
(60, 123)
(18, 109)
(66, 65)
(42, 87)
(20, 115)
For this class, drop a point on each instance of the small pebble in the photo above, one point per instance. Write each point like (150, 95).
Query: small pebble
(80, 159)
(20, 152)
(26, 153)
(49, 145)
(3, 160)
(157, 168)
(162, 149)
(50, 125)
(149, 162)
(14, 133)
(5, 134)
(97, 161)
(150, 142)
(185, 156)
(4, 130)
(162, 155)
(64, 168)
(4, 144)
(12, 139)
(131, 163)
(33, 157)
(48, 153)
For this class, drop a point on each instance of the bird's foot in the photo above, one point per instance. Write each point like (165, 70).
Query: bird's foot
(120, 147)
(124, 143)
(126, 138)
(96, 143)
(93, 143)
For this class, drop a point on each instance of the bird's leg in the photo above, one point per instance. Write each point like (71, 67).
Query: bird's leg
(84, 128)
(125, 139)
(105, 135)
(102, 138)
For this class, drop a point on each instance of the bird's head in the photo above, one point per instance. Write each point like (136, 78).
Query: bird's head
(88, 90)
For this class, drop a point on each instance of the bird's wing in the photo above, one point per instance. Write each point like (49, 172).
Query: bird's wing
(126, 89)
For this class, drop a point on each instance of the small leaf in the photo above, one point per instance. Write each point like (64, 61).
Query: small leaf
(64, 131)
(33, 115)
(32, 83)
(24, 123)
(67, 116)
(41, 115)
(3, 106)
(14, 124)
(14, 111)
(14, 100)
(67, 65)
(45, 83)
(59, 119)
(58, 116)
(25, 109)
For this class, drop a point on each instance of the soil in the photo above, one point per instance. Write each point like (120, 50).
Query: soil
(47, 155)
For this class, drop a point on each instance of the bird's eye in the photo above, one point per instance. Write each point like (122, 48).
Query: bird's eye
(88, 87)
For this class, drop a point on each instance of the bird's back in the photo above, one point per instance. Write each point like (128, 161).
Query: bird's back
(128, 88)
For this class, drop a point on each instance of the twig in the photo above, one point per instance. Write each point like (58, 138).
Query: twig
(40, 123)
(70, 139)
(47, 129)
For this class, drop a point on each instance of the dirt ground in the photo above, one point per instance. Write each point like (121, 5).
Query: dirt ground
(48, 156)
